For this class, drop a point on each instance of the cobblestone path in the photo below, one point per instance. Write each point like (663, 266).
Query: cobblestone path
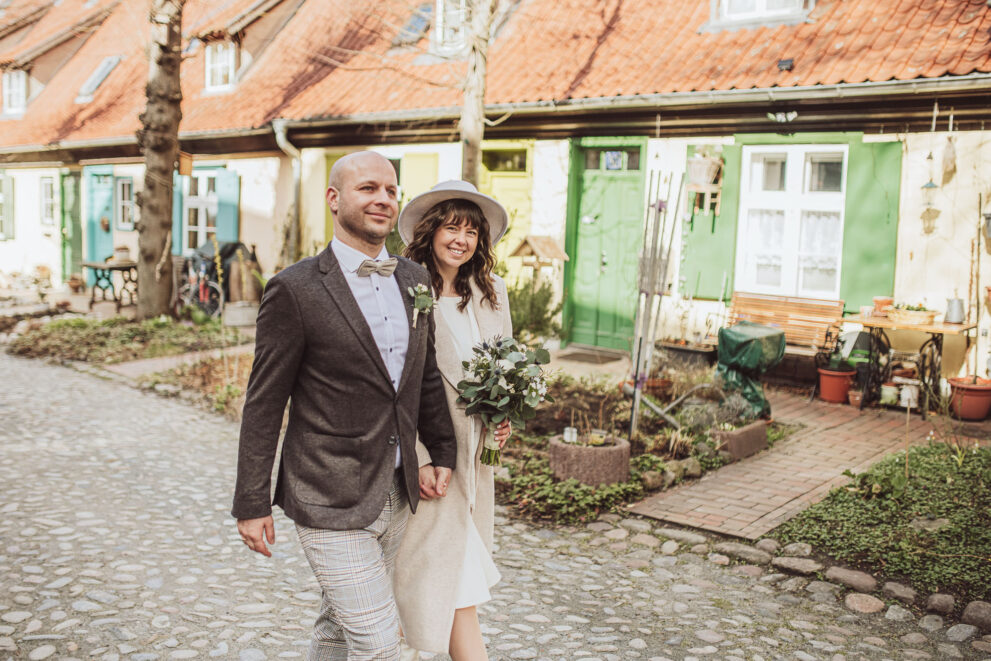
(116, 543)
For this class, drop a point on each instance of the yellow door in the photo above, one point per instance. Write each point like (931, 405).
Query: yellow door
(507, 175)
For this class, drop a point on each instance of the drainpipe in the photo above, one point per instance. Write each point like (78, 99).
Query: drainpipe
(290, 250)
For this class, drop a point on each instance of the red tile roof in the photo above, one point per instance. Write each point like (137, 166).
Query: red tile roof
(334, 59)
(71, 18)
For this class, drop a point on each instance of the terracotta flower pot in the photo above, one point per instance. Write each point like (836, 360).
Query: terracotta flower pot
(855, 397)
(835, 384)
(970, 400)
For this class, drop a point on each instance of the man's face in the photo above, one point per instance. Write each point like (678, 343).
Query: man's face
(366, 204)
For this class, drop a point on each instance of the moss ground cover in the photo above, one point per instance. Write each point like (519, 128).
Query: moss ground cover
(118, 339)
(933, 529)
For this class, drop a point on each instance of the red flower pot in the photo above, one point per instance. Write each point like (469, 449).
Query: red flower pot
(834, 385)
(970, 400)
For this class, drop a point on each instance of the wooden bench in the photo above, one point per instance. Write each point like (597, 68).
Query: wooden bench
(810, 325)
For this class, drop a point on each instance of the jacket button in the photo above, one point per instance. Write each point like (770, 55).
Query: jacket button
(393, 440)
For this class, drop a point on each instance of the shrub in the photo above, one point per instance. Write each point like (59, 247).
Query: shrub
(533, 310)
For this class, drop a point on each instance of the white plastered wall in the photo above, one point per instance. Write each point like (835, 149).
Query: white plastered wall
(266, 198)
(33, 244)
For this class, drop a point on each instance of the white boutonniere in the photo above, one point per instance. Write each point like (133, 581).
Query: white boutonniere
(423, 301)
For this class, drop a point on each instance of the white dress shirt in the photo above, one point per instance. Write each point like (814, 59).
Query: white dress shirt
(382, 305)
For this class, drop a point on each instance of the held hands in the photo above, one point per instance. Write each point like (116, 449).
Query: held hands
(254, 532)
(434, 481)
(503, 432)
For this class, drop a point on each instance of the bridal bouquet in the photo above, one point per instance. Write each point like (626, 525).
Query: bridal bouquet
(503, 381)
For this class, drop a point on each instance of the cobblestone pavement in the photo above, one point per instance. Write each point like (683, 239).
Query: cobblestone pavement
(117, 544)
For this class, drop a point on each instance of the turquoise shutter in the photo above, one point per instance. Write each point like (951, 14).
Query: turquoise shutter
(870, 227)
(7, 226)
(177, 182)
(228, 203)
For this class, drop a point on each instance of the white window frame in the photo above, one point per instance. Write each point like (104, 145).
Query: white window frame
(720, 18)
(88, 89)
(124, 203)
(760, 11)
(203, 202)
(221, 62)
(47, 186)
(792, 201)
(15, 91)
(446, 13)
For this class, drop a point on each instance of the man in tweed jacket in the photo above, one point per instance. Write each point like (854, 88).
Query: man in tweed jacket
(336, 336)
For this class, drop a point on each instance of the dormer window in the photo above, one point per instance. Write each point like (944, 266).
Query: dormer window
(15, 91)
(756, 13)
(449, 35)
(221, 65)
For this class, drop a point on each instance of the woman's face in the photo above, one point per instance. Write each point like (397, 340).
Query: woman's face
(454, 243)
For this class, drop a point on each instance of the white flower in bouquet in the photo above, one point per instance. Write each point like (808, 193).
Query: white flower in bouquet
(503, 381)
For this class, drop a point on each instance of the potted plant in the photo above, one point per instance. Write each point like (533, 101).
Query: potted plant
(904, 313)
(970, 397)
(855, 395)
(703, 167)
(835, 379)
(597, 458)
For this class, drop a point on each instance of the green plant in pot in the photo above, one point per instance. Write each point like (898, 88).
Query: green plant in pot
(835, 379)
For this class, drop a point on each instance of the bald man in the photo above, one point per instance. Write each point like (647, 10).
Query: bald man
(335, 335)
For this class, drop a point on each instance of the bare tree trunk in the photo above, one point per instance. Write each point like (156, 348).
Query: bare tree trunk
(159, 140)
(472, 124)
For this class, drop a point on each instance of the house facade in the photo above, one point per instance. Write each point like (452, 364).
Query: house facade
(851, 138)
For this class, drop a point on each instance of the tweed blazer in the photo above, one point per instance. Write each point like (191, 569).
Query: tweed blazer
(431, 556)
(314, 347)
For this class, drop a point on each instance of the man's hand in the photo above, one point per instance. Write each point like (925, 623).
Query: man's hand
(502, 433)
(254, 532)
(434, 481)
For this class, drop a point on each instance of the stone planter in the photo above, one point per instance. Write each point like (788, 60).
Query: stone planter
(745, 441)
(241, 313)
(592, 465)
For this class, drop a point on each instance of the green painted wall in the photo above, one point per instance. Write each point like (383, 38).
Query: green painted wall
(870, 220)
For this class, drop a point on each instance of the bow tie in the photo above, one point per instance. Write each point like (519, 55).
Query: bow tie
(383, 268)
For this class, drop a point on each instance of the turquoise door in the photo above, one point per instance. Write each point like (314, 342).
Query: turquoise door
(607, 230)
(99, 182)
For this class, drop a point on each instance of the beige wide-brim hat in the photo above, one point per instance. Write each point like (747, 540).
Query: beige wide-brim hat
(455, 189)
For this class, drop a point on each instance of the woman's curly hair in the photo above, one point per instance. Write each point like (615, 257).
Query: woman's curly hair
(479, 267)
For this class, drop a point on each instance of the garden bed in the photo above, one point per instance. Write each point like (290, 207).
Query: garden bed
(119, 340)
(933, 529)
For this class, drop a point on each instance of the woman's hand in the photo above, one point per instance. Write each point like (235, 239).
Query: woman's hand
(433, 482)
(503, 432)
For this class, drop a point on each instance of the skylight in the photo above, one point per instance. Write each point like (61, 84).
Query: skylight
(96, 78)
(415, 27)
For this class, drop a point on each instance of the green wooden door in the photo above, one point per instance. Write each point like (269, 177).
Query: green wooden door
(72, 226)
(608, 234)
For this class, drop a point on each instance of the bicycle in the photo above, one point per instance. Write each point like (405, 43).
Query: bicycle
(198, 293)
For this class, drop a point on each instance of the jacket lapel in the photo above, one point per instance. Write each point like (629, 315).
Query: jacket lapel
(337, 286)
(405, 279)
(489, 319)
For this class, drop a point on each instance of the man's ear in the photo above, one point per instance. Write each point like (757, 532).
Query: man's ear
(333, 196)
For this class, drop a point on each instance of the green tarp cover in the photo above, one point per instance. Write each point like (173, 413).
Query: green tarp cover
(746, 351)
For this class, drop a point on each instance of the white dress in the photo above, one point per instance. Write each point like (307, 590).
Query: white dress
(479, 572)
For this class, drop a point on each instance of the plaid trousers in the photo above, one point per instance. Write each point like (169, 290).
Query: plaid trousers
(358, 618)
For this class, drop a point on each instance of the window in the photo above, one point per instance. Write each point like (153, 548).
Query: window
(449, 35)
(504, 160)
(96, 78)
(124, 208)
(791, 220)
(48, 200)
(756, 13)
(612, 159)
(220, 65)
(415, 27)
(200, 204)
(15, 91)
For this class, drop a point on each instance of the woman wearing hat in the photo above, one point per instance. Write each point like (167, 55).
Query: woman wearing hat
(444, 568)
